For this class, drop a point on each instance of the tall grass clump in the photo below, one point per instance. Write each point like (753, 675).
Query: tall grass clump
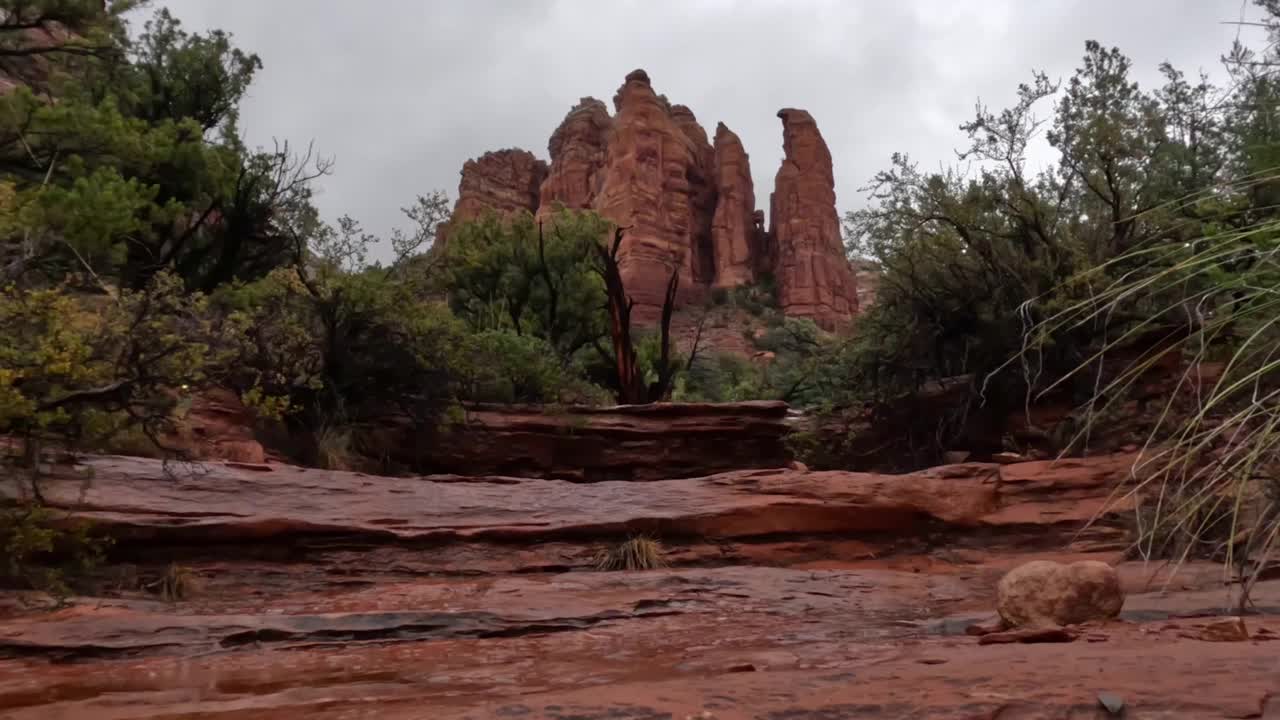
(1207, 481)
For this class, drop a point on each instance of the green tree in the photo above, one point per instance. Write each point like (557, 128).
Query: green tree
(142, 134)
(962, 253)
(338, 341)
(532, 278)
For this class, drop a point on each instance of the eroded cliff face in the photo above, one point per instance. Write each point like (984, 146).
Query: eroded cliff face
(655, 185)
(688, 203)
(578, 152)
(504, 181)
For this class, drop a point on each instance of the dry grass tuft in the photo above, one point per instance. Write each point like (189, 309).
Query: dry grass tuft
(638, 553)
(177, 583)
(334, 450)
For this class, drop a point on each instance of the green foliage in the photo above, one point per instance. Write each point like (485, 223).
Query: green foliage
(1210, 466)
(44, 551)
(757, 298)
(135, 165)
(76, 374)
(1206, 483)
(504, 367)
(794, 363)
(337, 347)
(335, 343)
(536, 279)
(180, 76)
(962, 251)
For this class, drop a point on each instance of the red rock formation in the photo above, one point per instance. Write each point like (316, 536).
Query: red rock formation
(219, 427)
(704, 196)
(733, 229)
(813, 274)
(589, 444)
(333, 595)
(504, 181)
(135, 499)
(688, 206)
(866, 277)
(654, 185)
(578, 148)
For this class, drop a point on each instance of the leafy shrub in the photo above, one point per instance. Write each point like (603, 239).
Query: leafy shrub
(76, 375)
(78, 372)
(44, 551)
(500, 366)
(535, 278)
(720, 377)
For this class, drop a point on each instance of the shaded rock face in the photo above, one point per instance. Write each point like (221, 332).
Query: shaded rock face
(219, 427)
(704, 196)
(24, 63)
(1043, 593)
(578, 150)
(813, 274)
(504, 181)
(587, 444)
(688, 205)
(866, 276)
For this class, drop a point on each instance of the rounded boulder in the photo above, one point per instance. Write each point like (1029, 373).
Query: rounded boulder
(1049, 593)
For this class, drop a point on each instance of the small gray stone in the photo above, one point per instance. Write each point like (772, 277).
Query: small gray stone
(1113, 703)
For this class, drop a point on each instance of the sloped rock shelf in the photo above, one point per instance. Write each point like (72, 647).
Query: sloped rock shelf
(791, 594)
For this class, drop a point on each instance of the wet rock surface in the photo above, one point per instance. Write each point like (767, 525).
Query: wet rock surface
(790, 595)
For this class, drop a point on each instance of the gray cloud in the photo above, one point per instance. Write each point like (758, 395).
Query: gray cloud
(402, 92)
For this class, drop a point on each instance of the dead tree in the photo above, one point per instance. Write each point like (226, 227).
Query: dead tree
(632, 389)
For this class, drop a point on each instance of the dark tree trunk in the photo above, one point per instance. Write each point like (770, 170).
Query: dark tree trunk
(631, 388)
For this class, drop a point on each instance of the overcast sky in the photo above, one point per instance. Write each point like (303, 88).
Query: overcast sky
(402, 92)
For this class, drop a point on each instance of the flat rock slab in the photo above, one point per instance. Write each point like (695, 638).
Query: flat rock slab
(881, 602)
(736, 642)
(377, 617)
(141, 500)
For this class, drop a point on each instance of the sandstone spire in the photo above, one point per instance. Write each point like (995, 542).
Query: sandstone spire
(656, 185)
(733, 228)
(813, 273)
